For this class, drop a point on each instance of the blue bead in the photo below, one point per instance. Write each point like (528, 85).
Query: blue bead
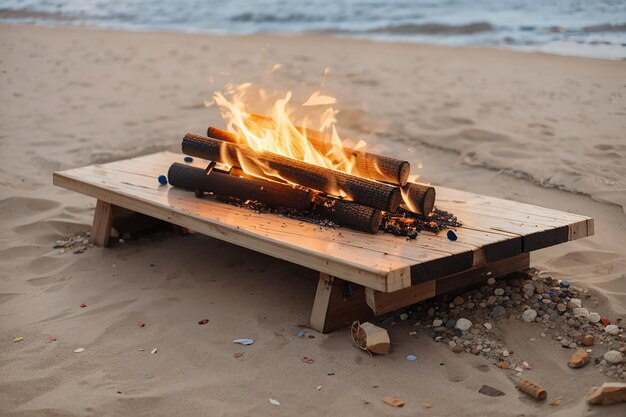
(162, 179)
(564, 284)
(451, 235)
(411, 358)
(188, 159)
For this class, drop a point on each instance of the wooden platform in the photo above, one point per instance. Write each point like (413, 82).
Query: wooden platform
(360, 274)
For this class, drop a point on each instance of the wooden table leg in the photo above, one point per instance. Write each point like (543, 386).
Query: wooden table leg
(102, 222)
(337, 304)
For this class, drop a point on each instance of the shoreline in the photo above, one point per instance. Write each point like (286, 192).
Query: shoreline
(557, 48)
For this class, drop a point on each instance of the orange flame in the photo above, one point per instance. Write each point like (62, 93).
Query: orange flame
(279, 135)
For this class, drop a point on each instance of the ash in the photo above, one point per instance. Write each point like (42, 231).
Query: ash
(400, 223)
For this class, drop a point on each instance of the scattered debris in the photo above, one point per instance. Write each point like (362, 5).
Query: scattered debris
(367, 336)
(18, 339)
(411, 358)
(319, 387)
(238, 355)
(78, 350)
(556, 402)
(301, 333)
(52, 338)
(609, 393)
(244, 342)
(274, 402)
(83, 305)
(308, 360)
(393, 401)
(426, 405)
(578, 359)
(203, 322)
(153, 351)
(532, 389)
(79, 241)
(141, 324)
(490, 391)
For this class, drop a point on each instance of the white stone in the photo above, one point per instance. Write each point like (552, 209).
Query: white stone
(488, 326)
(404, 316)
(594, 317)
(505, 353)
(613, 356)
(577, 302)
(529, 315)
(611, 329)
(499, 291)
(437, 322)
(581, 312)
(463, 324)
(491, 281)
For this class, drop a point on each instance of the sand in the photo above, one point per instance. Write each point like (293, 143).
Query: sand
(530, 127)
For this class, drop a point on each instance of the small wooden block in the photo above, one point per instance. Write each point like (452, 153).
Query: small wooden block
(393, 401)
(376, 338)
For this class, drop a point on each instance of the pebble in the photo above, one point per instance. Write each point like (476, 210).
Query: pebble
(594, 317)
(564, 284)
(404, 316)
(605, 321)
(437, 322)
(565, 343)
(561, 307)
(529, 315)
(458, 301)
(499, 291)
(498, 311)
(588, 340)
(463, 324)
(581, 312)
(611, 329)
(614, 357)
(504, 365)
(411, 358)
(450, 323)
(488, 326)
(578, 359)
(491, 281)
(505, 353)
(457, 349)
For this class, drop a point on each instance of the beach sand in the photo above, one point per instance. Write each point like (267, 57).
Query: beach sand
(530, 127)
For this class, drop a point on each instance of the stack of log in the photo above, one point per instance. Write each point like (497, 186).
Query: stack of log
(381, 185)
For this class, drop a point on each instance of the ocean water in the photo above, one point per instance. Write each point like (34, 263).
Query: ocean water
(593, 28)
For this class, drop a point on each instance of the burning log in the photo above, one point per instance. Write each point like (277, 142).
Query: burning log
(345, 213)
(368, 165)
(360, 190)
(418, 198)
(267, 192)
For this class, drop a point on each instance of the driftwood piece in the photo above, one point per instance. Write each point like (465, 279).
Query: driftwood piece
(360, 190)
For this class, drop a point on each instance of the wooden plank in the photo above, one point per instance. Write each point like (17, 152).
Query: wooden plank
(102, 222)
(493, 229)
(337, 304)
(482, 273)
(381, 302)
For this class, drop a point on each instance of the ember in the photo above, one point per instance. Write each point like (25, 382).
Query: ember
(271, 164)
